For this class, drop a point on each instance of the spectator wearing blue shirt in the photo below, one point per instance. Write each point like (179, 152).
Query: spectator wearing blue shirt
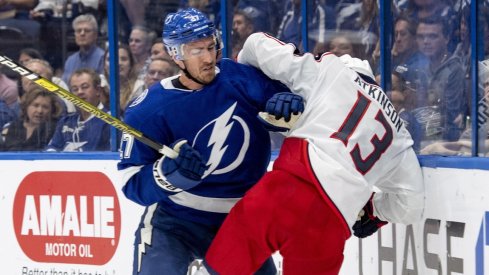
(89, 55)
(82, 131)
(407, 60)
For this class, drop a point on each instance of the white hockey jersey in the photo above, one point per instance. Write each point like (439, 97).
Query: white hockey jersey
(356, 138)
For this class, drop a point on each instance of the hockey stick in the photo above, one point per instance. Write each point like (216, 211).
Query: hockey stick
(82, 104)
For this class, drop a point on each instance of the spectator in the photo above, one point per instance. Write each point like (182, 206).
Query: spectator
(419, 10)
(128, 82)
(9, 99)
(89, 54)
(343, 43)
(55, 17)
(362, 18)
(158, 49)
(407, 60)
(44, 69)
(82, 131)
(140, 42)
(27, 54)
(6, 114)
(463, 146)
(403, 97)
(446, 96)
(8, 90)
(159, 69)
(34, 128)
(242, 28)
(321, 20)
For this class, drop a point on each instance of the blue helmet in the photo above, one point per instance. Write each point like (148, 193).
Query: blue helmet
(186, 26)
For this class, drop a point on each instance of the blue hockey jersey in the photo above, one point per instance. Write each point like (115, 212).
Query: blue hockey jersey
(220, 121)
(73, 135)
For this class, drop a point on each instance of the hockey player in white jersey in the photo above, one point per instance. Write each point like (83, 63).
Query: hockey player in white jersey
(348, 140)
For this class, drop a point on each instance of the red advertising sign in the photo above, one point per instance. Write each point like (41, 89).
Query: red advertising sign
(67, 217)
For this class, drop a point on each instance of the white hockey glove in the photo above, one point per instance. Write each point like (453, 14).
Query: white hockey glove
(180, 173)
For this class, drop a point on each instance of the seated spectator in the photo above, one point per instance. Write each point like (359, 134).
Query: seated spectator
(158, 49)
(9, 98)
(128, 82)
(463, 146)
(403, 98)
(6, 114)
(89, 54)
(8, 90)
(242, 28)
(419, 10)
(158, 69)
(27, 54)
(82, 131)
(320, 21)
(56, 17)
(44, 69)
(140, 42)
(343, 43)
(407, 60)
(362, 18)
(34, 128)
(445, 98)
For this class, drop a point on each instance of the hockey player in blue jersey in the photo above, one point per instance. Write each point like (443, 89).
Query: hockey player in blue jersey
(208, 115)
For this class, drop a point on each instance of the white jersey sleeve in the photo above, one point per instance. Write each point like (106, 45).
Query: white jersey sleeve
(356, 138)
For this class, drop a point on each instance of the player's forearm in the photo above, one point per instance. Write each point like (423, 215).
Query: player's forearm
(141, 186)
(277, 61)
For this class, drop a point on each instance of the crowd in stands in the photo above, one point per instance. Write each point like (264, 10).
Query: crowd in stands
(430, 59)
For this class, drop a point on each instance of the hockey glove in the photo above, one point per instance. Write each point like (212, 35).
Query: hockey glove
(367, 223)
(282, 111)
(180, 173)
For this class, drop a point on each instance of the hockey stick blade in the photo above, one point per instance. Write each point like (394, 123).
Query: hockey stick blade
(82, 104)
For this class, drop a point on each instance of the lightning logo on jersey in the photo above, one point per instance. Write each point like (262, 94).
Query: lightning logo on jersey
(221, 130)
(146, 234)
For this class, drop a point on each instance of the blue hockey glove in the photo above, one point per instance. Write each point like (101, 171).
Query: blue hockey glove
(282, 111)
(180, 173)
(367, 223)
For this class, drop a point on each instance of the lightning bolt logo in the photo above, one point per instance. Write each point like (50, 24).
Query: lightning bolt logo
(221, 130)
(146, 234)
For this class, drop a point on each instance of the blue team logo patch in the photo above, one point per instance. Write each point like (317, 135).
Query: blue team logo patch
(225, 156)
(139, 99)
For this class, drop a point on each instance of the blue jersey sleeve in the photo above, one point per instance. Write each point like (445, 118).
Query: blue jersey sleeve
(137, 158)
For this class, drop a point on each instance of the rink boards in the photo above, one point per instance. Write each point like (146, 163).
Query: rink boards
(68, 216)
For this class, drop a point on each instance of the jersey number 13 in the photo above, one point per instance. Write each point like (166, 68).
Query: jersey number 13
(357, 114)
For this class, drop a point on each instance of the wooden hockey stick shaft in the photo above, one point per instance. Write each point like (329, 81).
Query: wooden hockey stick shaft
(82, 104)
